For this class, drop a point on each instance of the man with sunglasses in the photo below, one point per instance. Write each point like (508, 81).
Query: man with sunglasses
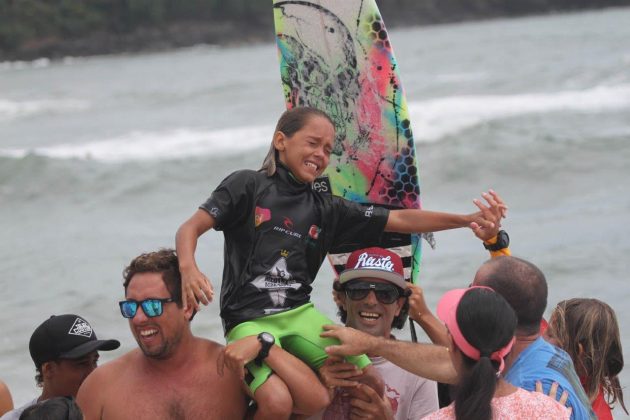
(65, 350)
(172, 373)
(371, 294)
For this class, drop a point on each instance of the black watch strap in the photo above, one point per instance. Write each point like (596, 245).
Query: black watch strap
(266, 341)
(503, 241)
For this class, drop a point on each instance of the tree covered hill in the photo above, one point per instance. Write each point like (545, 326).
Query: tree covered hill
(56, 28)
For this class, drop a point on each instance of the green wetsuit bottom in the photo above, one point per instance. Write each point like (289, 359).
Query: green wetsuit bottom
(296, 331)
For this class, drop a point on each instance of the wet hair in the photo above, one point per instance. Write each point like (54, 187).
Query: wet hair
(163, 261)
(290, 122)
(399, 320)
(58, 408)
(522, 284)
(487, 322)
(591, 324)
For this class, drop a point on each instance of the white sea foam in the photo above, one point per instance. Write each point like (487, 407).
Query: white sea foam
(10, 110)
(460, 77)
(21, 65)
(142, 145)
(434, 119)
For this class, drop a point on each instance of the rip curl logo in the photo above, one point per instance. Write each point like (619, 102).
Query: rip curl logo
(288, 228)
(381, 263)
(262, 215)
(214, 211)
(369, 211)
(276, 282)
(81, 327)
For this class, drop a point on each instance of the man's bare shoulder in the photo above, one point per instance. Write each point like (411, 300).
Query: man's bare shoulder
(212, 347)
(113, 367)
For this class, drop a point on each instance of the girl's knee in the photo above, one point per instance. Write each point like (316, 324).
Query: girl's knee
(274, 400)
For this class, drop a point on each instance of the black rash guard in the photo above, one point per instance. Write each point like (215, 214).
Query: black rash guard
(277, 233)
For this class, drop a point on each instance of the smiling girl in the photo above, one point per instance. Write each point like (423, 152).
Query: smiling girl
(277, 231)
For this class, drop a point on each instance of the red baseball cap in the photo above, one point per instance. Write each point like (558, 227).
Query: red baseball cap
(378, 263)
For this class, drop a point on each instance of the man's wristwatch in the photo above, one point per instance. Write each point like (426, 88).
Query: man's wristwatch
(266, 341)
(503, 241)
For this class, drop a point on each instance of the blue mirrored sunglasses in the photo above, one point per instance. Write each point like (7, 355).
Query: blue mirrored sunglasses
(152, 307)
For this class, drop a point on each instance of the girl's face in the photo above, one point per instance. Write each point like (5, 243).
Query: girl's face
(307, 152)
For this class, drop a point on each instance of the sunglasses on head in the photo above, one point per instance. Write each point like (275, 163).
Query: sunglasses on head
(152, 307)
(385, 293)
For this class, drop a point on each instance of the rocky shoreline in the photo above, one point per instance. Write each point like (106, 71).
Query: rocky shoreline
(144, 39)
(225, 32)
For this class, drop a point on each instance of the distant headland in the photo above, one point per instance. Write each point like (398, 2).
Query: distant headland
(30, 29)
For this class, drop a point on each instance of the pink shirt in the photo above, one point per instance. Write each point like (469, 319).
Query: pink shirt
(520, 405)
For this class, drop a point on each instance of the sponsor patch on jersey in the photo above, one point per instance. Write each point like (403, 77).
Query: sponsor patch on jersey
(322, 185)
(277, 281)
(262, 215)
(287, 232)
(313, 232)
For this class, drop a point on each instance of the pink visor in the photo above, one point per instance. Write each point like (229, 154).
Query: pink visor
(447, 312)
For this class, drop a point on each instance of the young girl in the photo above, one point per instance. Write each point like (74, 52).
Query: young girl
(481, 328)
(277, 232)
(587, 329)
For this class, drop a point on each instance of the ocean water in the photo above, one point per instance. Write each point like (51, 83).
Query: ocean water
(103, 158)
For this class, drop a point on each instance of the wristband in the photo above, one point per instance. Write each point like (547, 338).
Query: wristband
(501, 241)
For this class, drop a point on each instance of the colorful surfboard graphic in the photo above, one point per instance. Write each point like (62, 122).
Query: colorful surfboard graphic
(336, 56)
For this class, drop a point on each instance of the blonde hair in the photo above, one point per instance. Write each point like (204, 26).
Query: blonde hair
(587, 329)
(290, 122)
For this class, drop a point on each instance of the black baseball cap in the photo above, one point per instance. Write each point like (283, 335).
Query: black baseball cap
(65, 337)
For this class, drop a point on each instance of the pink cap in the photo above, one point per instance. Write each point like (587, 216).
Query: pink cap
(376, 263)
(447, 312)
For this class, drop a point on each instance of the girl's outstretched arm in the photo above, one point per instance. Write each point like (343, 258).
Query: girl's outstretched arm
(195, 285)
(419, 221)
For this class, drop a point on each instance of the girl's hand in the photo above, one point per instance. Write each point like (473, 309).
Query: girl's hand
(196, 288)
(488, 224)
(237, 354)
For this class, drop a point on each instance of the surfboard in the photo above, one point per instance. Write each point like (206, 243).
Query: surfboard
(335, 55)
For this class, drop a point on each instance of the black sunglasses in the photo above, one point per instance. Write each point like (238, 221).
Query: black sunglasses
(152, 307)
(384, 292)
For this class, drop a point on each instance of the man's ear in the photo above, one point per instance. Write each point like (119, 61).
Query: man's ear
(189, 313)
(48, 369)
